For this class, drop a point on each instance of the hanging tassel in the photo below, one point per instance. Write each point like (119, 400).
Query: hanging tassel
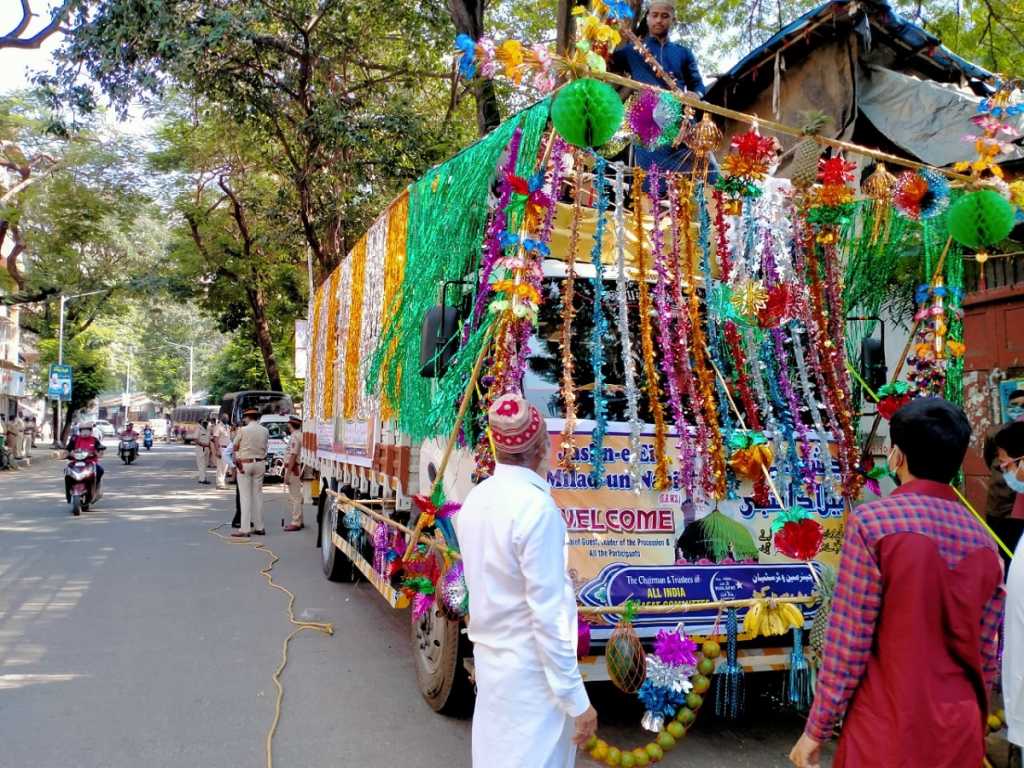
(798, 688)
(729, 688)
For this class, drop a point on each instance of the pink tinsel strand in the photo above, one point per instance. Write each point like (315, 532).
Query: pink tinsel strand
(523, 328)
(681, 369)
(492, 241)
(665, 312)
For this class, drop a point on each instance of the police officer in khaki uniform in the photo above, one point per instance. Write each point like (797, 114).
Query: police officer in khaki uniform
(221, 438)
(293, 473)
(202, 451)
(251, 460)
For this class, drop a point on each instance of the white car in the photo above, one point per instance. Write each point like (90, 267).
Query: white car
(103, 428)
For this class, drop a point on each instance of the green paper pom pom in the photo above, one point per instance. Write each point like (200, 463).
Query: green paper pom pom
(980, 219)
(587, 112)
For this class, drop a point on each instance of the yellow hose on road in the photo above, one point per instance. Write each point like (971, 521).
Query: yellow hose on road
(300, 626)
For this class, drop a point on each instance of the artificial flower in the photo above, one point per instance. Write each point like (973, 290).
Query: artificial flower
(510, 55)
(674, 649)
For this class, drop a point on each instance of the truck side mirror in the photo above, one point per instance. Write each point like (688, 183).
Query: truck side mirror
(439, 340)
(872, 363)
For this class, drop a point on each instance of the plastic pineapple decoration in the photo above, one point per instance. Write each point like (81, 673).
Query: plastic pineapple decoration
(745, 167)
(624, 655)
(803, 169)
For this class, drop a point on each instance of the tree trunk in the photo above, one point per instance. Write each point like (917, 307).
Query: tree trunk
(566, 26)
(263, 339)
(468, 17)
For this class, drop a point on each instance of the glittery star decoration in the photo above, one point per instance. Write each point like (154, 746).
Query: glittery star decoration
(749, 297)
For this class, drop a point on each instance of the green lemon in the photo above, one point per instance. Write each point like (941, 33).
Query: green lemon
(665, 740)
(654, 752)
(694, 701)
(614, 758)
(711, 649)
(640, 758)
(700, 684)
(627, 760)
(686, 716)
(706, 667)
(591, 743)
(677, 729)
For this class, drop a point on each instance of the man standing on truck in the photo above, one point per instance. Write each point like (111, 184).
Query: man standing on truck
(532, 710)
(293, 473)
(676, 60)
(910, 654)
(251, 459)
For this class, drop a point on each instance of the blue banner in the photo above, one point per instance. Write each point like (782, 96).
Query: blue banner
(650, 585)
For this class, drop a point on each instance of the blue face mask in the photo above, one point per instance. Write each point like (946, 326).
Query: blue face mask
(1012, 482)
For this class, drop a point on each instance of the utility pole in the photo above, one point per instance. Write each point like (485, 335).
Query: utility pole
(58, 409)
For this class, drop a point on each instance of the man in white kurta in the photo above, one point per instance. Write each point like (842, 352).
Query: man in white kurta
(1010, 454)
(531, 708)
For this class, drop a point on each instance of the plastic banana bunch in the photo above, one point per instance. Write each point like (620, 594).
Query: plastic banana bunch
(769, 617)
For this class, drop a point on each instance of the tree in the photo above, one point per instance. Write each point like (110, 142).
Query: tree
(232, 252)
(347, 106)
(19, 37)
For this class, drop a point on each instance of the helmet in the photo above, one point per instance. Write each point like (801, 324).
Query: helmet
(85, 425)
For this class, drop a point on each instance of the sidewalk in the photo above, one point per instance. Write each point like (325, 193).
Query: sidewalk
(40, 455)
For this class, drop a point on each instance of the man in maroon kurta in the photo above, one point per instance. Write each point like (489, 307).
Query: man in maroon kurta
(910, 654)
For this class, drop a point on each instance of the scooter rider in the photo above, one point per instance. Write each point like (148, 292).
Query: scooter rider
(85, 441)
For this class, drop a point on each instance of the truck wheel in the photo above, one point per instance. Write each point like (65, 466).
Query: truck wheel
(439, 651)
(336, 564)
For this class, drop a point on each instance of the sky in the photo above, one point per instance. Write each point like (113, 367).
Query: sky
(16, 66)
(15, 63)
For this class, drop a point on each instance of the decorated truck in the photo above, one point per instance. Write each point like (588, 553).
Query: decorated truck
(395, 332)
(685, 334)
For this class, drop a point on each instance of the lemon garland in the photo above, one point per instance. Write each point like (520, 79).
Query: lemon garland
(603, 753)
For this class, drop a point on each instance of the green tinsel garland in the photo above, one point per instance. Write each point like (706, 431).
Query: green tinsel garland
(447, 218)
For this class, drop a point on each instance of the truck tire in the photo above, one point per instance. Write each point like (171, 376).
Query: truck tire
(439, 650)
(336, 564)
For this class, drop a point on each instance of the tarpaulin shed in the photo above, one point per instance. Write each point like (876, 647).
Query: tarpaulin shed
(881, 79)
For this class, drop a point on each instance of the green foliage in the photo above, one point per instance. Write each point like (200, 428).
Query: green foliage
(344, 107)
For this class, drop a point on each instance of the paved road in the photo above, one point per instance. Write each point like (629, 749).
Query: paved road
(130, 636)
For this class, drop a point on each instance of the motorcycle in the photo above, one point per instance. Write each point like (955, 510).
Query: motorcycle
(147, 439)
(128, 449)
(81, 471)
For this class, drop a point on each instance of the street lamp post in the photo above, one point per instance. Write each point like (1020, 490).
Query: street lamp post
(60, 359)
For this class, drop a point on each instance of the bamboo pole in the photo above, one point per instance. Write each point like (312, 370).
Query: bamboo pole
(739, 417)
(467, 395)
(774, 126)
(865, 450)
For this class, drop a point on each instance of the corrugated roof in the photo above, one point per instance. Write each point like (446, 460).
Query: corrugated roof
(885, 23)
